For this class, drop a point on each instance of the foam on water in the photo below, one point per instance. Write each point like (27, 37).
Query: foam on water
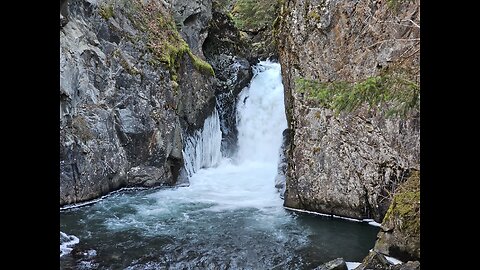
(66, 242)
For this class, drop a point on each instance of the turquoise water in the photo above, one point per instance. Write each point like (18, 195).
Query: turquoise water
(136, 230)
(229, 217)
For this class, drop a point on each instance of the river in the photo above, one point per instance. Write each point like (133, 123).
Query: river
(229, 217)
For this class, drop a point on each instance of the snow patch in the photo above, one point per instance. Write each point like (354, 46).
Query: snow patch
(367, 220)
(347, 218)
(392, 260)
(76, 205)
(372, 222)
(352, 265)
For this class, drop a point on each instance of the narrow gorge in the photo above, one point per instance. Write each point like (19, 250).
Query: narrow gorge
(239, 134)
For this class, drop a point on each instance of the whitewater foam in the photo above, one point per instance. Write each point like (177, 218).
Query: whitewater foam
(229, 216)
(66, 242)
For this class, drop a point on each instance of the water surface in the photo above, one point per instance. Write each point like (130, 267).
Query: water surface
(229, 217)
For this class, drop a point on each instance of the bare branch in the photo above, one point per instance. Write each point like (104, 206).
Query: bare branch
(393, 39)
(409, 20)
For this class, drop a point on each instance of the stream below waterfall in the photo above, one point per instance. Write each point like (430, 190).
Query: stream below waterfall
(230, 216)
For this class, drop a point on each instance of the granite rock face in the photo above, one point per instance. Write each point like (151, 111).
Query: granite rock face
(377, 261)
(347, 164)
(282, 167)
(228, 55)
(123, 112)
(193, 18)
(337, 264)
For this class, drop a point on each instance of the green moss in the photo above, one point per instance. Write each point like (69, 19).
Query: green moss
(201, 65)
(313, 15)
(405, 207)
(106, 10)
(393, 88)
(170, 53)
(163, 38)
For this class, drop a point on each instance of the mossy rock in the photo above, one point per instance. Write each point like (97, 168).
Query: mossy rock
(106, 10)
(162, 37)
(400, 235)
(404, 211)
(392, 87)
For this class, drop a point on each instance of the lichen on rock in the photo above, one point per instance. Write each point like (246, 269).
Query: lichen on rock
(400, 234)
(130, 89)
(351, 74)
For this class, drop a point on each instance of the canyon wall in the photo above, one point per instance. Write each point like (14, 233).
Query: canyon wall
(347, 157)
(130, 89)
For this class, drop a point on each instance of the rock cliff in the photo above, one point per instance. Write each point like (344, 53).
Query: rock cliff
(399, 236)
(130, 89)
(351, 76)
(227, 53)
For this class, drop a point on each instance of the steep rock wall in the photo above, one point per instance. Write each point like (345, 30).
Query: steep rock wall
(228, 55)
(348, 163)
(130, 89)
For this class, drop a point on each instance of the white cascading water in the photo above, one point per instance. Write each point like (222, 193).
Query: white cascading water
(230, 216)
(202, 150)
(261, 116)
(248, 180)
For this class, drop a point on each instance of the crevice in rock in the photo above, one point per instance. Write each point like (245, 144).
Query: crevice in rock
(191, 19)
(64, 16)
(368, 211)
(175, 165)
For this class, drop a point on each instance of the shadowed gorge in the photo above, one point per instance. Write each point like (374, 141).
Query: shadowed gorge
(238, 134)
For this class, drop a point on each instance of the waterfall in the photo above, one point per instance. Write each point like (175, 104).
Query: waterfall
(229, 217)
(260, 122)
(261, 115)
(202, 150)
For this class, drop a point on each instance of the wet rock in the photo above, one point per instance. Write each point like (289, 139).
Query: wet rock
(337, 264)
(193, 17)
(228, 56)
(147, 176)
(283, 162)
(400, 230)
(410, 265)
(374, 261)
